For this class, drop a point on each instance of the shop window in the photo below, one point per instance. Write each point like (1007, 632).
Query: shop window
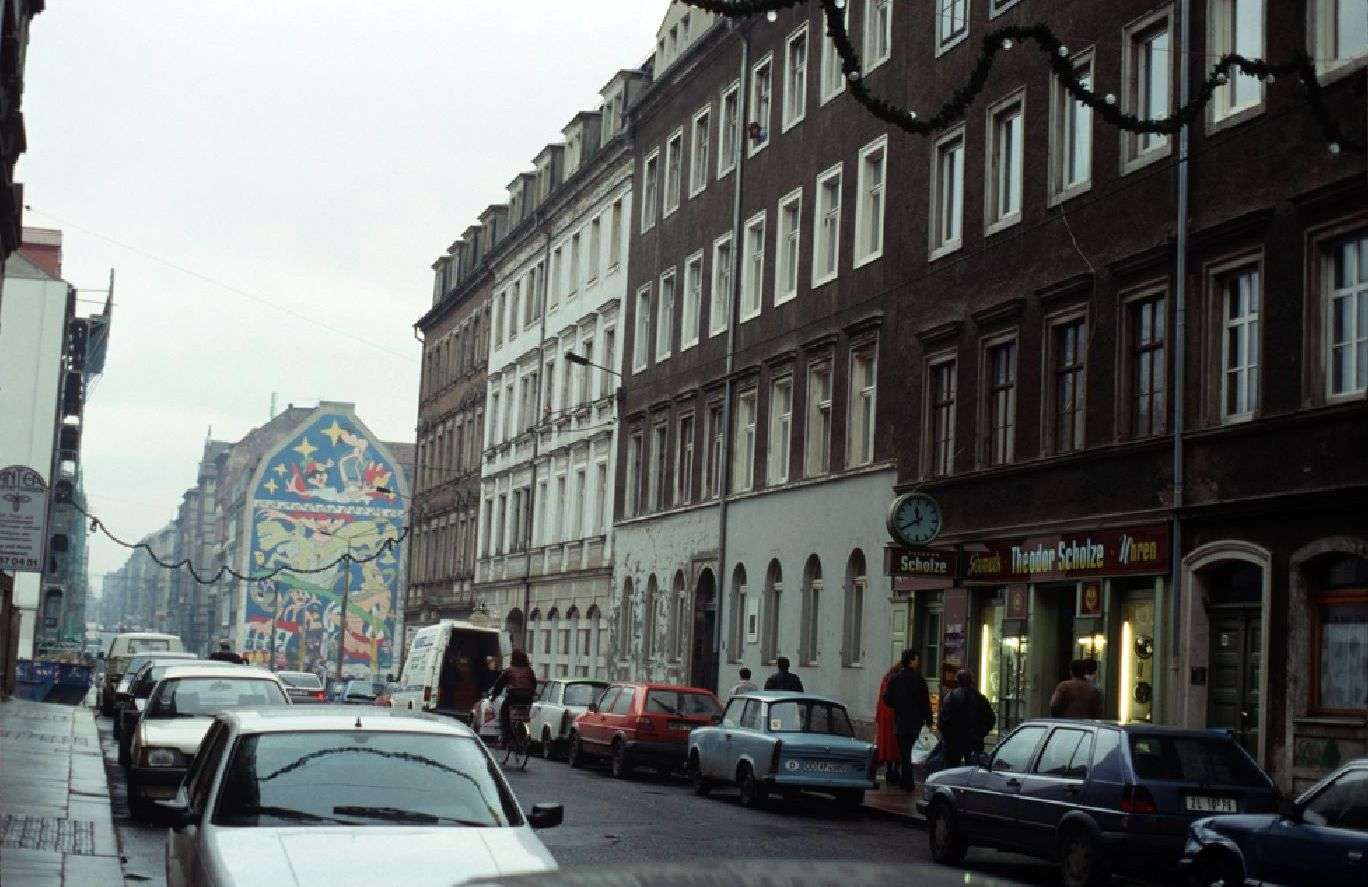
(1339, 638)
(1135, 700)
(990, 660)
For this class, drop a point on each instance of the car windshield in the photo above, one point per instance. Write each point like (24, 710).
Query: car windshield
(582, 694)
(301, 680)
(192, 697)
(809, 717)
(148, 645)
(364, 688)
(681, 702)
(362, 778)
(1201, 760)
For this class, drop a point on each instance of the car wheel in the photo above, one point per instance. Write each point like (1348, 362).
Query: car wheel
(575, 756)
(548, 745)
(947, 841)
(621, 767)
(138, 807)
(1080, 860)
(701, 785)
(753, 794)
(1218, 869)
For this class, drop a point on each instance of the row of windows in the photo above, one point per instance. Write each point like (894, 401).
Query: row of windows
(569, 645)
(449, 451)
(668, 638)
(794, 450)
(570, 506)
(457, 354)
(443, 548)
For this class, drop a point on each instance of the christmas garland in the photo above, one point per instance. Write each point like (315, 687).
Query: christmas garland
(1058, 57)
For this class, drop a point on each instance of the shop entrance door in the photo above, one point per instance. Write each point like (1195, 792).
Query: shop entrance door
(1233, 693)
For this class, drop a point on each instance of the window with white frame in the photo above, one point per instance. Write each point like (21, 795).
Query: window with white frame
(595, 247)
(833, 78)
(1240, 302)
(729, 132)
(826, 240)
(601, 500)
(860, 450)
(780, 430)
(947, 194)
(996, 7)
(575, 250)
(579, 493)
(615, 236)
(1071, 133)
(952, 23)
(942, 385)
(790, 236)
(1147, 70)
(699, 148)
(1005, 130)
(556, 281)
(665, 316)
(743, 443)
(817, 427)
(586, 374)
(674, 163)
(1346, 309)
(1339, 32)
(869, 211)
(692, 302)
(684, 460)
(655, 484)
(811, 615)
(607, 378)
(852, 639)
(499, 305)
(795, 77)
(1000, 402)
(720, 304)
(712, 465)
(761, 104)
(878, 33)
(753, 267)
(650, 189)
(630, 489)
(641, 341)
(1237, 26)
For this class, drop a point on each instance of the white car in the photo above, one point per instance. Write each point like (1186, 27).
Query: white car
(326, 795)
(557, 706)
(178, 714)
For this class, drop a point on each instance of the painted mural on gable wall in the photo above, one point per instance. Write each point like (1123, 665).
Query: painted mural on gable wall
(326, 491)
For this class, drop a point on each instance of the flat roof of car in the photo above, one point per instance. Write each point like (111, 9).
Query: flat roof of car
(217, 671)
(787, 695)
(146, 635)
(291, 718)
(1135, 727)
(659, 685)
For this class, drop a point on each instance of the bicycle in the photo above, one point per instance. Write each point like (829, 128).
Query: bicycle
(516, 747)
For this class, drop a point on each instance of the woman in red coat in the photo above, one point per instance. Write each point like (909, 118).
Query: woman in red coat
(885, 733)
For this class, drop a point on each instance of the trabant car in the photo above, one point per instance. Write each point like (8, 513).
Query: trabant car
(775, 741)
(558, 703)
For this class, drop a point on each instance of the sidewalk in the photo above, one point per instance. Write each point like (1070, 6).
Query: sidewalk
(56, 826)
(891, 801)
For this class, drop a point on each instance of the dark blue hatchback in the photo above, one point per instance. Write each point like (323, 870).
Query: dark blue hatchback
(1095, 795)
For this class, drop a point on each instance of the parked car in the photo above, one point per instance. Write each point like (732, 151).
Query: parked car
(357, 691)
(558, 703)
(1096, 796)
(782, 742)
(302, 686)
(641, 723)
(123, 690)
(141, 688)
(449, 666)
(1321, 838)
(314, 795)
(121, 650)
(179, 712)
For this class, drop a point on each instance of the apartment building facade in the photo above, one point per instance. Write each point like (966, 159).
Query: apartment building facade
(558, 284)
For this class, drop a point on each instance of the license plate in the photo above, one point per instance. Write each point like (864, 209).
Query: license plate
(823, 767)
(682, 725)
(1200, 804)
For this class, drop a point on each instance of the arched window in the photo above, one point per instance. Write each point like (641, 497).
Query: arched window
(774, 593)
(852, 636)
(623, 641)
(513, 627)
(648, 619)
(594, 641)
(534, 622)
(549, 633)
(812, 610)
(574, 650)
(679, 631)
(737, 648)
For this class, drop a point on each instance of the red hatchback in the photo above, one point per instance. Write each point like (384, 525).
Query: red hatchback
(633, 724)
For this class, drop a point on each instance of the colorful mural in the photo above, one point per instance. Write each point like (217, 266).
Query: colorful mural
(328, 490)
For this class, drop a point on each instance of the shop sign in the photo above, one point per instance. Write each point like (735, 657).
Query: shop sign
(912, 567)
(954, 636)
(1134, 550)
(23, 519)
(1090, 601)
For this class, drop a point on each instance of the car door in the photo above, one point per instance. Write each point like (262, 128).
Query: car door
(1328, 844)
(741, 744)
(619, 721)
(1054, 786)
(184, 848)
(591, 723)
(994, 796)
(712, 741)
(548, 699)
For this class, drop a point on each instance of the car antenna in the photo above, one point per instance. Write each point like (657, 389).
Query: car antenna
(358, 722)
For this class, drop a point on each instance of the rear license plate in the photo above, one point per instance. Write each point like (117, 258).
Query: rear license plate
(682, 725)
(1200, 804)
(823, 767)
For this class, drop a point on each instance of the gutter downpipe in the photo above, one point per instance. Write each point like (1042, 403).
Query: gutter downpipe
(409, 562)
(733, 305)
(1179, 356)
(536, 428)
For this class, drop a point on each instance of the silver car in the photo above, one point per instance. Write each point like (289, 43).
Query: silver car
(327, 795)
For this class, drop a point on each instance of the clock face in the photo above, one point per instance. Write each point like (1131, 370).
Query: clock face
(914, 519)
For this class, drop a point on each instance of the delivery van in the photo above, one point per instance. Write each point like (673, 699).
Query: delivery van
(122, 649)
(448, 667)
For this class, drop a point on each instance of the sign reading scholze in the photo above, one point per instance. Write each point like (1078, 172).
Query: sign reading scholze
(23, 519)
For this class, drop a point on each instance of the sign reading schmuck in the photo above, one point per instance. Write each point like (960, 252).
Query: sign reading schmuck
(23, 519)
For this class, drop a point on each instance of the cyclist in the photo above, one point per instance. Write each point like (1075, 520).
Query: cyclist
(521, 683)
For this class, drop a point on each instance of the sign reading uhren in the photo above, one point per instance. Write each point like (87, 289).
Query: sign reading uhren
(23, 519)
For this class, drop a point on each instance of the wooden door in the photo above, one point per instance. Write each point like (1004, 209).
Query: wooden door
(1233, 689)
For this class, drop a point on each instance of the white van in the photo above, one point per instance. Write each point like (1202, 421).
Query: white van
(123, 648)
(448, 667)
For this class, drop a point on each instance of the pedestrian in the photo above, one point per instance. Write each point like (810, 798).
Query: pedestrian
(885, 735)
(745, 685)
(1076, 697)
(783, 679)
(225, 653)
(966, 719)
(520, 682)
(910, 699)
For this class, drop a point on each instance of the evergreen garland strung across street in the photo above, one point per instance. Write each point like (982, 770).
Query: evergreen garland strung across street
(1057, 55)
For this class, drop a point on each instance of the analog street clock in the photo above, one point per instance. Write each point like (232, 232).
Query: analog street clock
(914, 519)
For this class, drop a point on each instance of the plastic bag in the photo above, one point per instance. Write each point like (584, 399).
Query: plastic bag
(925, 744)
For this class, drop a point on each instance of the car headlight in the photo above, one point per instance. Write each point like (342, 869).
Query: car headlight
(163, 757)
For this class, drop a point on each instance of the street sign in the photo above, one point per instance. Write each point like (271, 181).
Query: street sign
(23, 519)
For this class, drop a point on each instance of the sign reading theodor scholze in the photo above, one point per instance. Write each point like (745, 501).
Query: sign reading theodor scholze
(23, 519)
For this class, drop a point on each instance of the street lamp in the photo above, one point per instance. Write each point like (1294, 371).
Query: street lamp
(581, 360)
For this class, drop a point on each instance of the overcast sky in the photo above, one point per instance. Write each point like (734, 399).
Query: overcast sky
(238, 161)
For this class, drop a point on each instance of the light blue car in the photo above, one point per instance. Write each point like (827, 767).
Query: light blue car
(780, 742)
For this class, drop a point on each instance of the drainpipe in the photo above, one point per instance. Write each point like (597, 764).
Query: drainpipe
(1179, 352)
(734, 314)
(414, 489)
(536, 432)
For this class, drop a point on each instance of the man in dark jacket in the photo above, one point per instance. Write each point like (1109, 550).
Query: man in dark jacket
(783, 679)
(1077, 697)
(910, 699)
(966, 719)
(225, 654)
